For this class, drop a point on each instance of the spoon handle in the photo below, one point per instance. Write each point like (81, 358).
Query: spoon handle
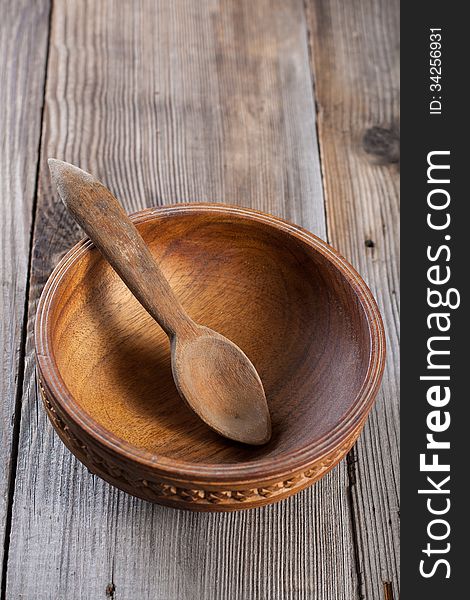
(107, 225)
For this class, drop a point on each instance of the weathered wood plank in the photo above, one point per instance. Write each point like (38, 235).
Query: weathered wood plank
(22, 71)
(164, 102)
(355, 54)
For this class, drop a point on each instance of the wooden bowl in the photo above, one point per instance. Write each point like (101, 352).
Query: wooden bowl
(297, 309)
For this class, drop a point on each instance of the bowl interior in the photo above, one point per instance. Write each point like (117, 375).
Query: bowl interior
(290, 310)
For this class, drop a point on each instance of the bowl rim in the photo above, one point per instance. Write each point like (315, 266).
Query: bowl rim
(285, 463)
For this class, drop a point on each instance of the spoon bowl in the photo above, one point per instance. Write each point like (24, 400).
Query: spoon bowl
(222, 386)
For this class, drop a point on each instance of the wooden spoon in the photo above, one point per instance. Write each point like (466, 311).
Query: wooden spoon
(211, 373)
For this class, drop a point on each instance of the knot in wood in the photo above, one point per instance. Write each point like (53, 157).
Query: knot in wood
(383, 145)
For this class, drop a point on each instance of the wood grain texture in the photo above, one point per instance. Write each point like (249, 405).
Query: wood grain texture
(355, 49)
(22, 72)
(165, 102)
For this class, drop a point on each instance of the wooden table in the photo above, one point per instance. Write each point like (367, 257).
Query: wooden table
(285, 106)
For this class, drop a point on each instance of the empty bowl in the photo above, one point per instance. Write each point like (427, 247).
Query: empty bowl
(296, 308)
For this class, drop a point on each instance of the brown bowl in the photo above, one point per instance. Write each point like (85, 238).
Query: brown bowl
(299, 311)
